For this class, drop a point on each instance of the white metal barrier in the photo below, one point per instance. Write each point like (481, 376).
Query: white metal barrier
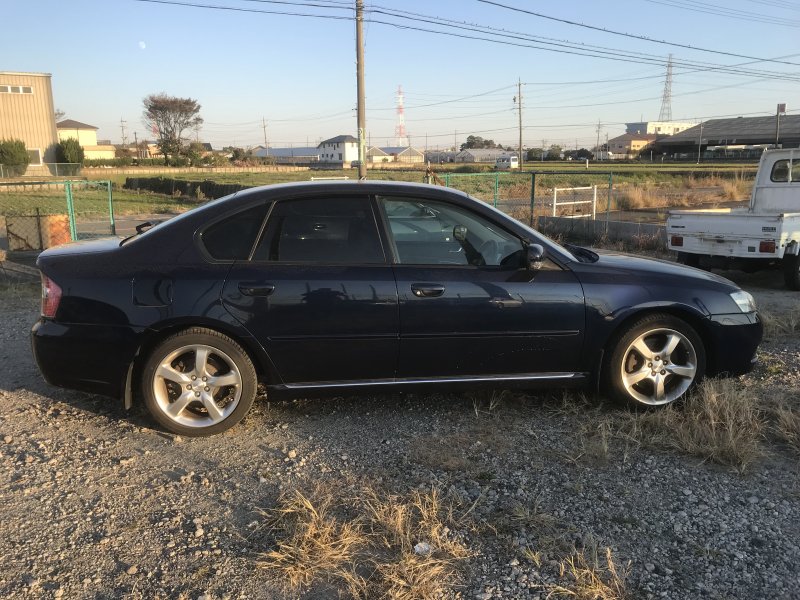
(593, 201)
(327, 178)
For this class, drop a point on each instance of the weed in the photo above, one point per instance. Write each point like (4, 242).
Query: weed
(395, 547)
(718, 421)
(787, 425)
(592, 581)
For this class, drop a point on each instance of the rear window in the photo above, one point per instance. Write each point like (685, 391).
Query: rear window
(233, 237)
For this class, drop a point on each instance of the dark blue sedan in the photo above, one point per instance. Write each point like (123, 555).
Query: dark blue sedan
(315, 288)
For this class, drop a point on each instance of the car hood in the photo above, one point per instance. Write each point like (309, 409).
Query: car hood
(628, 264)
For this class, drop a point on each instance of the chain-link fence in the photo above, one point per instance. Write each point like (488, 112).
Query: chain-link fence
(54, 169)
(37, 215)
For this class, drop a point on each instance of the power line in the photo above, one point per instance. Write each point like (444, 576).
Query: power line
(623, 34)
(720, 11)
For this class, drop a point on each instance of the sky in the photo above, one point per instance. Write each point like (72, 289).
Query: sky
(458, 62)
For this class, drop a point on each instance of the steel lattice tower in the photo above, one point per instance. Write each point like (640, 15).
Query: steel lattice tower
(666, 98)
(400, 134)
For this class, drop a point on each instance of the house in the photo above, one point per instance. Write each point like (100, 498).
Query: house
(290, 156)
(87, 138)
(27, 113)
(629, 145)
(341, 149)
(440, 156)
(480, 155)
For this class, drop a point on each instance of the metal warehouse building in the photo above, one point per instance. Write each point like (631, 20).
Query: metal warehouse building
(741, 137)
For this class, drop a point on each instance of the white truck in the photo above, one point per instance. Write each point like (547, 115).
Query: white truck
(763, 235)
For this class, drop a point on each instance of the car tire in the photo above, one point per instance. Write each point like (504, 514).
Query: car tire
(654, 362)
(194, 399)
(791, 271)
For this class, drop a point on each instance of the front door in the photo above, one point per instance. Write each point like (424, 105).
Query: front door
(468, 307)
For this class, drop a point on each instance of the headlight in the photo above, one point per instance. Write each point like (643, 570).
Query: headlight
(744, 301)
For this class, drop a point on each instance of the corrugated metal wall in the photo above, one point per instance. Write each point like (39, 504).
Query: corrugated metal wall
(29, 117)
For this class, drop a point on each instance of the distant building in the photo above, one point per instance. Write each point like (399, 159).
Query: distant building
(658, 128)
(629, 145)
(401, 154)
(27, 113)
(740, 137)
(340, 149)
(480, 155)
(297, 155)
(440, 156)
(87, 138)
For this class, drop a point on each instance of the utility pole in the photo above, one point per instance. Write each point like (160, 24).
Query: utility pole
(544, 148)
(781, 109)
(136, 143)
(122, 127)
(597, 147)
(264, 127)
(360, 109)
(519, 109)
(699, 143)
(455, 141)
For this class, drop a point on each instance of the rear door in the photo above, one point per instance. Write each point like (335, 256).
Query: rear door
(468, 307)
(318, 292)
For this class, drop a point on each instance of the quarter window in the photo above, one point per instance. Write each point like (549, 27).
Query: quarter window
(233, 237)
(428, 232)
(321, 231)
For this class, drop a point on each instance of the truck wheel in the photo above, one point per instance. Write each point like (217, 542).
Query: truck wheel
(690, 260)
(791, 271)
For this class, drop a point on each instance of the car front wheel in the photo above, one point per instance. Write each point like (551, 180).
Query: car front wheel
(655, 362)
(198, 382)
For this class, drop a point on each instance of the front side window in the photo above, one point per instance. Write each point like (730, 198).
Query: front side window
(233, 237)
(429, 232)
(331, 230)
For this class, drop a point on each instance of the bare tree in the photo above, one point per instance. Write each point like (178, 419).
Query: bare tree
(168, 117)
(60, 114)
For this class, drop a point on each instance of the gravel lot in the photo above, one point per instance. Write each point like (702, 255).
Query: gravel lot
(96, 503)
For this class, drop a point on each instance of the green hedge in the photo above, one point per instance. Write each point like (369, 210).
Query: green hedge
(181, 187)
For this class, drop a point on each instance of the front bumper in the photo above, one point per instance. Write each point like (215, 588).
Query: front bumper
(734, 340)
(90, 358)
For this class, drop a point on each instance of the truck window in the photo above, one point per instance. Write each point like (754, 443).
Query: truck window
(780, 172)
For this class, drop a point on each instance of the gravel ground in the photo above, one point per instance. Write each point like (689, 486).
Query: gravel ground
(97, 503)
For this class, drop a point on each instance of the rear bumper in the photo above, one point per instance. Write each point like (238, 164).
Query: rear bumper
(733, 343)
(89, 358)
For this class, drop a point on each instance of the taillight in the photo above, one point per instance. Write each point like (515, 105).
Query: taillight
(677, 240)
(51, 296)
(767, 246)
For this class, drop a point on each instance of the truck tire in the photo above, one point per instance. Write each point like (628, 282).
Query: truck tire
(791, 271)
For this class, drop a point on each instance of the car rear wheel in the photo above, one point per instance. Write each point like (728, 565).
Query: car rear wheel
(198, 382)
(655, 362)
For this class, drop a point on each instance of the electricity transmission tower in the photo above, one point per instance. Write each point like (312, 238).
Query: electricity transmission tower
(666, 97)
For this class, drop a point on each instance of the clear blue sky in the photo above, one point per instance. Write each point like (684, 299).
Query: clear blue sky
(299, 72)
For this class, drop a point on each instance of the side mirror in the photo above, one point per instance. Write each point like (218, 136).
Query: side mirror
(534, 256)
(460, 233)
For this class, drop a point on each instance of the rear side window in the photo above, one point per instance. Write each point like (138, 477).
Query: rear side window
(783, 170)
(233, 237)
(335, 230)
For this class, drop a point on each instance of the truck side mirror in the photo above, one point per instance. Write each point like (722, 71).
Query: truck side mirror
(534, 256)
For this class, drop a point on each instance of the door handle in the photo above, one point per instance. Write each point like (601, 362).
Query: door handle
(427, 290)
(256, 289)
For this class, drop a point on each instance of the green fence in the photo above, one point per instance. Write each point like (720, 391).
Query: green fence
(35, 215)
(526, 195)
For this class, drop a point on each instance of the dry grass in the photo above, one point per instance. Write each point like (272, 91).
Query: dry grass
(313, 544)
(787, 425)
(393, 547)
(719, 421)
(592, 581)
(779, 325)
